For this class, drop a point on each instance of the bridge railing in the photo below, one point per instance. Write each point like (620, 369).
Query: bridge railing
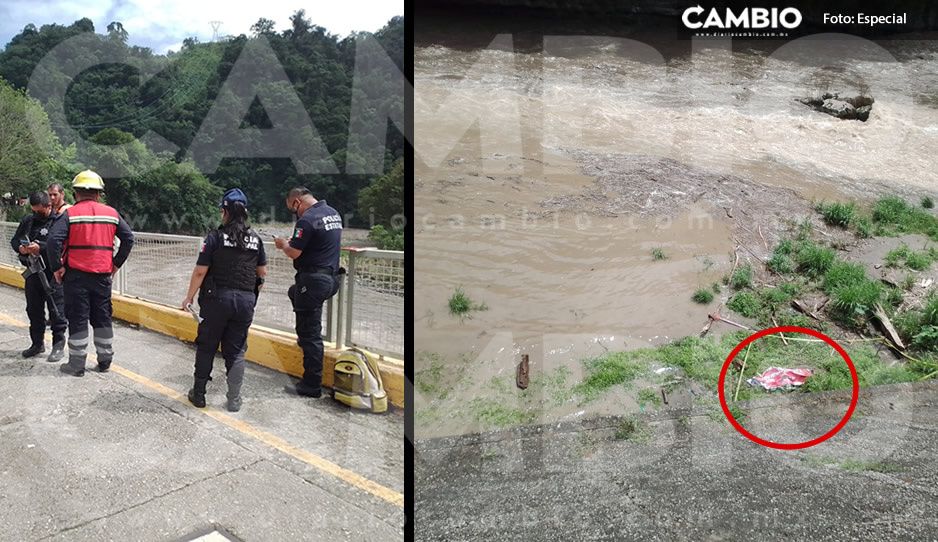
(368, 311)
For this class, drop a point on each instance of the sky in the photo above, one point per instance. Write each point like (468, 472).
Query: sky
(162, 24)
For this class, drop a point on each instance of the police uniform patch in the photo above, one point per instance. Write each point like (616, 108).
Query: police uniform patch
(298, 233)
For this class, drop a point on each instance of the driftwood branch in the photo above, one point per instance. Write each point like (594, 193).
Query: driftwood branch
(803, 309)
(780, 334)
(888, 327)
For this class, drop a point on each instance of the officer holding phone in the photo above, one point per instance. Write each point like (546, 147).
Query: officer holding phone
(314, 249)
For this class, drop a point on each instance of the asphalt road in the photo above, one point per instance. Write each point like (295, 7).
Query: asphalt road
(688, 475)
(122, 456)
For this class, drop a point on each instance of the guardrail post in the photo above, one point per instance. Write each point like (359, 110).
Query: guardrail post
(121, 282)
(330, 320)
(347, 291)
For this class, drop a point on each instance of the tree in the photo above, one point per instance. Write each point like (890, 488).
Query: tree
(263, 27)
(31, 156)
(160, 194)
(386, 239)
(116, 32)
(301, 24)
(383, 201)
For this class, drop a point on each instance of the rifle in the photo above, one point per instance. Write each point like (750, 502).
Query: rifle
(35, 266)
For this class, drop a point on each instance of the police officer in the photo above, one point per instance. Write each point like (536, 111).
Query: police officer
(314, 249)
(30, 240)
(228, 275)
(81, 255)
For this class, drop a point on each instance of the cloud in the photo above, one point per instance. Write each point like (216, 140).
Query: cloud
(163, 25)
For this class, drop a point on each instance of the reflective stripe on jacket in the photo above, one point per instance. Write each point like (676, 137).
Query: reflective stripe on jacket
(90, 244)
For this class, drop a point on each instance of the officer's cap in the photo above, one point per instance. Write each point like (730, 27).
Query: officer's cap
(233, 195)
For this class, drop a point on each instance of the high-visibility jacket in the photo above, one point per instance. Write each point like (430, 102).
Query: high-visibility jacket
(90, 243)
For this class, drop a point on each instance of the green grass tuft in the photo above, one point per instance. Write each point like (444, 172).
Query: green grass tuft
(903, 256)
(893, 216)
(832, 372)
(804, 230)
(841, 274)
(461, 305)
(781, 262)
(813, 259)
(838, 214)
(741, 278)
(493, 413)
(864, 226)
(658, 254)
(702, 296)
(648, 396)
(609, 370)
(430, 381)
(928, 202)
(745, 303)
(850, 303)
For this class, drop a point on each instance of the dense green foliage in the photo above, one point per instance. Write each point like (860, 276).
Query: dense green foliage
(387, 239)
(30, 154)
(383, 202)
(171, 95)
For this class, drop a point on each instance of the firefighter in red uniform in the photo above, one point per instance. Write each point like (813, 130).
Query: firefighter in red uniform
(81, 255)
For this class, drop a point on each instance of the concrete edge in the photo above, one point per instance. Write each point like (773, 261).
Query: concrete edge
(867, 395)
(274, 349)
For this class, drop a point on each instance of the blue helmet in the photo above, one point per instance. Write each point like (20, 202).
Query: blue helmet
(233, 195)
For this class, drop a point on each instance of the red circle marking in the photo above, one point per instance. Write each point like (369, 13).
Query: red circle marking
(796, 445)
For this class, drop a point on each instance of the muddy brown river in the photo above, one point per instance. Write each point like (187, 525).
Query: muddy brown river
(546, 175)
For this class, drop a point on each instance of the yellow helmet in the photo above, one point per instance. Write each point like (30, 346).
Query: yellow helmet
(88, 180)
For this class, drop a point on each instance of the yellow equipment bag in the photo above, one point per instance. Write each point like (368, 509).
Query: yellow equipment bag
(357, 382)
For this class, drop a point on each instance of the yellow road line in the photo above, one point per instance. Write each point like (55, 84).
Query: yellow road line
(352, 478)
(271, 440)
(12, 321)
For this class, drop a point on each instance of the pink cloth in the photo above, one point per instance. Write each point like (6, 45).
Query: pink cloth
(775, 378)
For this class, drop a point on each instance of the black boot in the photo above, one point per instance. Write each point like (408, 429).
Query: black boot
(69, 370)
(197, 393)
(235, 377)
(34, 350)
(58, 352)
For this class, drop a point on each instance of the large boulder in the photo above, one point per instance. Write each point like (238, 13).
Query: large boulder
(855, 108)
(838, 108)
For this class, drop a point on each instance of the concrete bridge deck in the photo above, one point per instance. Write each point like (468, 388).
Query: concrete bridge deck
(123, 456)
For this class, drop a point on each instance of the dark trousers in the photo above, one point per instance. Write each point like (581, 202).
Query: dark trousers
(308, 295)
(36, 303)
(88, 298)
(226, 315)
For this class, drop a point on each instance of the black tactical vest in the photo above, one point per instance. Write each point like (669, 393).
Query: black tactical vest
(232, 267)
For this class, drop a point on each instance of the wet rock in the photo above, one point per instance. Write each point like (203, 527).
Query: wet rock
(847, 108)
(839, 109)
(863, 112)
